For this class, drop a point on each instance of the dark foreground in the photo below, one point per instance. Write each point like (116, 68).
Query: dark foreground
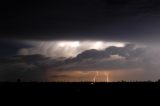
(118, 90)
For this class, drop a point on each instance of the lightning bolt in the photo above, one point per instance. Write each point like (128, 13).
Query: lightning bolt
(107, 77)
(95, 77)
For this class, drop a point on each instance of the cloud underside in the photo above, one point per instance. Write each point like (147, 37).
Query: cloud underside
(65, 49)
(36, 67)
(129, 21)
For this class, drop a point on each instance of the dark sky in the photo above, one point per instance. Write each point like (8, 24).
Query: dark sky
(124, 20)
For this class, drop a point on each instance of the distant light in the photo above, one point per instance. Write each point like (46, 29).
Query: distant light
(92, 83)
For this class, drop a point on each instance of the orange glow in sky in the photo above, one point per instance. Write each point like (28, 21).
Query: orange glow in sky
(96, 76)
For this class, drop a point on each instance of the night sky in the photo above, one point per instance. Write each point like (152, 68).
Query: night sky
(80, 40)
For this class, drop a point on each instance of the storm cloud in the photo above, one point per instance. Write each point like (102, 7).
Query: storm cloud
(111, 58)
(37, 67)
(65, 49)
(113, 20)
(26, 68)
(39, 39)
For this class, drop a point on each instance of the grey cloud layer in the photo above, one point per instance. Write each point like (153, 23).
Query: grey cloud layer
(35, 67)
(109, 59)
(27, 68)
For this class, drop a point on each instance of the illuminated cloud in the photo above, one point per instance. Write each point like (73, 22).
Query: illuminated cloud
(79, 35)
(66, 49)
(123, 60)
